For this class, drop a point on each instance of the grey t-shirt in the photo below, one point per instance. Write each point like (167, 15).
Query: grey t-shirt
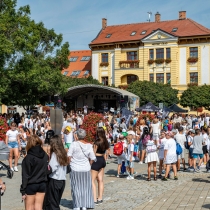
(198, 145)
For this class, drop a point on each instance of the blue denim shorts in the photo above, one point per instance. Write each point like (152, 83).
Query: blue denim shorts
(12, 145)
(129, 164)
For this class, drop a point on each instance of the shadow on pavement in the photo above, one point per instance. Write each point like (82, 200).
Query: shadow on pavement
(66, 203)
(111, 172)
(200, 180)
(206, 206)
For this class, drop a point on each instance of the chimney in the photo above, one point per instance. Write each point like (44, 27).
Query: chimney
(104, 23)
(182, 15)
(157, 17)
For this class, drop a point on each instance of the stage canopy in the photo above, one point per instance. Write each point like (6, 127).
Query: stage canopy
(176, 108)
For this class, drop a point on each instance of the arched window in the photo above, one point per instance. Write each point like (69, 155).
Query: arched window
(131, 78)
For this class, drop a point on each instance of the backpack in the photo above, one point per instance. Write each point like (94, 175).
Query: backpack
(178, 149)
(49, 135)
(145, 139)
(118, 149)
(136, 149)
(186, 144)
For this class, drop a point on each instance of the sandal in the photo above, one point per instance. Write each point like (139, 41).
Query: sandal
(155, 178)
(148, 179)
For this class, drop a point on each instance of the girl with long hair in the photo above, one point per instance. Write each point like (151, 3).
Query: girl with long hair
(34, 174)
(97, 169)
(13, 142)
(57, 178)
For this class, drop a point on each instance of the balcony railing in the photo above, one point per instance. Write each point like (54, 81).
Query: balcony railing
(129, 64)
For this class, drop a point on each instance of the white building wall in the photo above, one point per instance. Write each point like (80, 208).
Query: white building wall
(95, 66)
(205, 65)
(182, 67)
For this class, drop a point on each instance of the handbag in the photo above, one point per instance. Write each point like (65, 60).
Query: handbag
(68, 169)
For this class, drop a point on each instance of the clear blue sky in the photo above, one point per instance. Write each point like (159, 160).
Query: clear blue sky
(80, 20)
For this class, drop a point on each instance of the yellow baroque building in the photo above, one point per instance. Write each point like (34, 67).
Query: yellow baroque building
(173, 51)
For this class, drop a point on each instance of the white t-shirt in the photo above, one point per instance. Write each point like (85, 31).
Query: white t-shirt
(12, 135)
(26, 122)
(206, 138)
(68, 138)
(171, 156)
(181, 139)
(190, 140)
(130, 150)
(58, 171)
(207, 121)
(80, 157)
(85, 109)
(161, 144)
(155, 128)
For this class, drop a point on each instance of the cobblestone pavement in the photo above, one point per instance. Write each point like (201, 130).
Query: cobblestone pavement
(190, 191)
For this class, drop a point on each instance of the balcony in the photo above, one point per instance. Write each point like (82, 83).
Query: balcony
(130, 64)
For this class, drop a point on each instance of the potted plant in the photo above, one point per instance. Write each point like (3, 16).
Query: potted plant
(159, 60)
(104, 64)
(167, 60)
(151, 61)
(192, 59)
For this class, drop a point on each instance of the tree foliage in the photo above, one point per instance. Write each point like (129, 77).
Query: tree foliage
(196, 96)
(31, 57)
(154, 92)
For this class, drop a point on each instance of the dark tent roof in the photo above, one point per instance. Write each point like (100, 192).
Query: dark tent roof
(167, 109)
(176, 108)
(149, 107)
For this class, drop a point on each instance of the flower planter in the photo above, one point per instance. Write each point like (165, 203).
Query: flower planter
(3, 128)
(159, 61)
(90, 125)
(192, 59)
(151, 61)
(104, 64)
(167, 60)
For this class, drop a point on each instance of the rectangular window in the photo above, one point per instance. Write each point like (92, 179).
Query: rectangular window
(151, 77)
(65, 73)
(168, 52)
(73, 59)
(159, 53)
(151, 54)
(160, 78)
(87, 72)
(194, 77)
(104, 57)
(75, 73)
(131, 78)
(105, 81)
(168, 78)
(85, 58)
(194, 52)
(131, 56)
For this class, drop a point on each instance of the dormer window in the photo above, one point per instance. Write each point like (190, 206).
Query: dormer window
(108, 35)
(143, 32)
(174, 29)
(133, 33)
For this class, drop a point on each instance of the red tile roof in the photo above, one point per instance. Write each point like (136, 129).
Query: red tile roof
(120, 33)
(79, 65)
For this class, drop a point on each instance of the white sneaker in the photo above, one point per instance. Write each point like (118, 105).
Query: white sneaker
(140, 162)
(11, 169)
(130, 177)
(15, 169)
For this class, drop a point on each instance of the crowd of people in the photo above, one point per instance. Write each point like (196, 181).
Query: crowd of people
(134, 139)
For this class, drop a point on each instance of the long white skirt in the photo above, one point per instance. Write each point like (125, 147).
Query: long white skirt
(151, 157)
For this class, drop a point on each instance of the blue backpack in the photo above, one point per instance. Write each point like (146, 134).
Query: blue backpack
(178, 149)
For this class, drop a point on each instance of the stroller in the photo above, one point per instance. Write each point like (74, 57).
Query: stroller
(4, 155)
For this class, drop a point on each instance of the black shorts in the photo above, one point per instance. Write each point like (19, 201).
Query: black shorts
(32, 189)
(99, 164)
(205, 151)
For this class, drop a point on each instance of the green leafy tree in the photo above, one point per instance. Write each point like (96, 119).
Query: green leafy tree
(154, 92)
(31, 57)
(196, 96)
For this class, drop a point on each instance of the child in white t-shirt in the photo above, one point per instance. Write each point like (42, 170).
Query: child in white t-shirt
(130, 158)
(161, 144)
